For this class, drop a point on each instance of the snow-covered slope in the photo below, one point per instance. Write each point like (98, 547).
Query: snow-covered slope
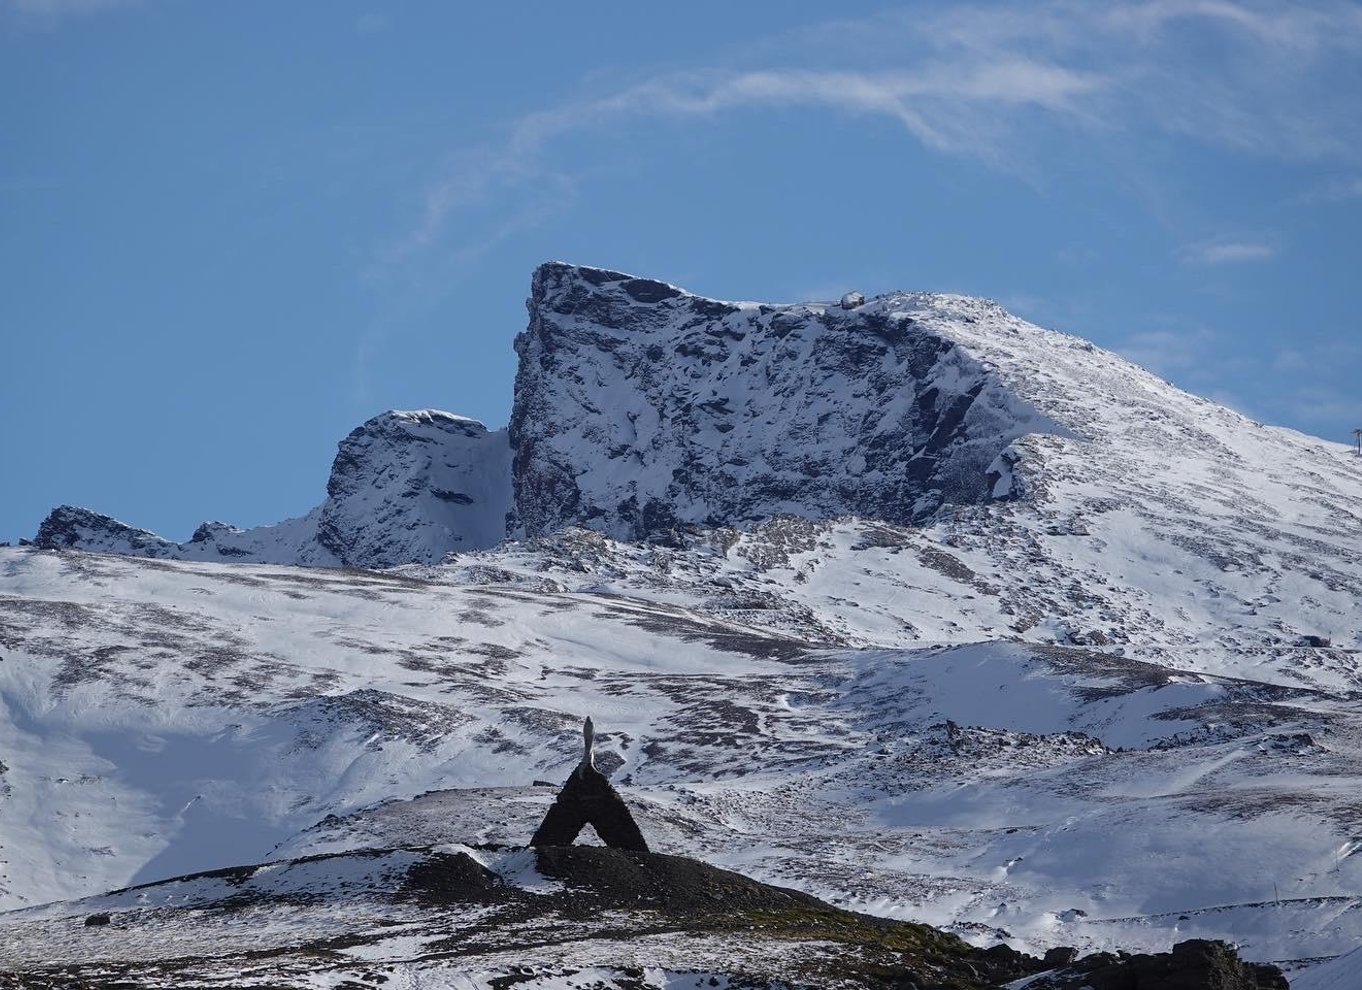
(1343, 973)
(170, 716)
(405, 487)
(1084, 672)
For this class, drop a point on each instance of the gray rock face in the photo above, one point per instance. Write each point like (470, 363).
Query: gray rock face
(412, 486)
(72, 527)
(640, 407)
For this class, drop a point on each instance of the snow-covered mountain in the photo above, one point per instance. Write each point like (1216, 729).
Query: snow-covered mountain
(405, 487)
(1085, 672)
(640, 407)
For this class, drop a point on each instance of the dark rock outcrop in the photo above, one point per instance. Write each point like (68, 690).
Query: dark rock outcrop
(70, 527)
(409, 487)
(1197, 964)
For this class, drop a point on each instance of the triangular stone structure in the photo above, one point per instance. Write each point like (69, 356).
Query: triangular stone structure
(588, 799)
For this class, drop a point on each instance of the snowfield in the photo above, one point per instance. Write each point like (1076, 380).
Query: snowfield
(173, 717)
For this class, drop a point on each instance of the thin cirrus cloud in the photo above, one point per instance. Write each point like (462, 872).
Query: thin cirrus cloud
(1335, 190)
(48, 11)
(984, 82)
(1225, 252)
(1170, 351)
(912, 99)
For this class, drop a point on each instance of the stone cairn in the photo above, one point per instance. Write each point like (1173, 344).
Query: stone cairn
(588, 799)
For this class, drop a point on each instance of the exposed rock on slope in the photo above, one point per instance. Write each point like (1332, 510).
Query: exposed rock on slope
(486, 916)
(1196, 964)
(405, 487)
(640, 407)
(70, 527)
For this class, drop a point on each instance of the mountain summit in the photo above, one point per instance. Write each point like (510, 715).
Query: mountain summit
(641, 408)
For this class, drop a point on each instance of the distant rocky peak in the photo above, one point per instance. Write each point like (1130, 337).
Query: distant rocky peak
(405, 487)
(73, 527)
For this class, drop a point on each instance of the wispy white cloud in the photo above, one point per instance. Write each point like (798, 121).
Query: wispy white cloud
(1223, 251)
(1201, 359)
(371, 22)
(991, 82)
(51, 11)
(1309, 378)
(1171, 352)
(947, 111)
(1317, 356)
(1335, 190)
(914, 99)
(1331, 411)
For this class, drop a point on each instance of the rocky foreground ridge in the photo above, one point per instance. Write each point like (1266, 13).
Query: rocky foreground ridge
(555, 916)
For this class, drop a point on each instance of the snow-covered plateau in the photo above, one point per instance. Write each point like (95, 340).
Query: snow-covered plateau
(912, 606)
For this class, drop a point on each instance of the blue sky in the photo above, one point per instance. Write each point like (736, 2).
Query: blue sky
(230, 232)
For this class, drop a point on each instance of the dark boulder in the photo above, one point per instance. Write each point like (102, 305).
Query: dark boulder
(1197, 964)
(1060, 955)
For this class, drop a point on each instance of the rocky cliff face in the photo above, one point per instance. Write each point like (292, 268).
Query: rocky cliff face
(412, 486)
(405, 487)
(640, 407)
